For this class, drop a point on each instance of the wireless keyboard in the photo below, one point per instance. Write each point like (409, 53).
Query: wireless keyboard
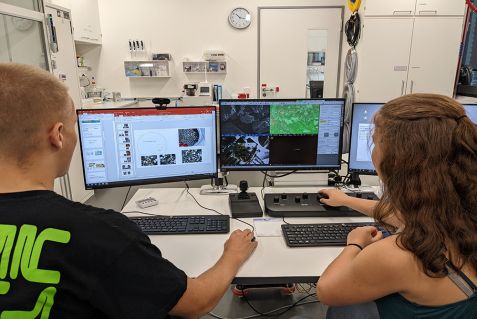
(313, 235)
(181, 225)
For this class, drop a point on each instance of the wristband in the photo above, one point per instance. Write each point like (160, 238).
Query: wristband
(359, 246)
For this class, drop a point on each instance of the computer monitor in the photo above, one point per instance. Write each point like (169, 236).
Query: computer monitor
(360, 146)
(124, 147)
(360, 137)
(281, 134)
(471, 110)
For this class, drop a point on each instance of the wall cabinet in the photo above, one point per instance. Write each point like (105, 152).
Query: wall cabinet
(383, 60)
(85, 18)
(389, 8)
(414, 7)
(406, 55)
(433, 62)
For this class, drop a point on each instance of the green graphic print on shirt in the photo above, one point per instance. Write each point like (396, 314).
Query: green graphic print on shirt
(26, 256)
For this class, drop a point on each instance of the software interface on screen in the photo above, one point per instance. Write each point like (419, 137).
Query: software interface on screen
(280, 134)
(471, 110)
(361, 144)
(134, 146)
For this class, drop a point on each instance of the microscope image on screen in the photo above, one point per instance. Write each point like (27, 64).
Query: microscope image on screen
(192, 156)
(239, 119)
(240, 150)
(191, 137)
(294, 119)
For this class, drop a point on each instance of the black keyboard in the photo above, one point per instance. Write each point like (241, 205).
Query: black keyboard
(313, 235)
(180, 225)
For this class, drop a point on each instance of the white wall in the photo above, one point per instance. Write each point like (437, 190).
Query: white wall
(185, 29)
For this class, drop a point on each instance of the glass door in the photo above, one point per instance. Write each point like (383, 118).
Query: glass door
(22, 35)
(26, 4)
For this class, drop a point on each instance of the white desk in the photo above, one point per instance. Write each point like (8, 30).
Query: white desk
(272, 262)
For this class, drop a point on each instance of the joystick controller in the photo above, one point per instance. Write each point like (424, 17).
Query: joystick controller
(244, 204)
(243, 190)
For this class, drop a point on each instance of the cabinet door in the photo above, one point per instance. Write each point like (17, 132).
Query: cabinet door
(434, 61)
(383, 59)
(440, 7)
(389, 8)
(85, 14)
(85, 17)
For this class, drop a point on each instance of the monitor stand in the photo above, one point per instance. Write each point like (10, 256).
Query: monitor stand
(354, 180)
(217, 187)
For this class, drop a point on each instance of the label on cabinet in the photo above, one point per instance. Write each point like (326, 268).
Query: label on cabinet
(400, 68)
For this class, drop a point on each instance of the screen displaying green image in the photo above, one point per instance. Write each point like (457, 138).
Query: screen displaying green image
(294, 119)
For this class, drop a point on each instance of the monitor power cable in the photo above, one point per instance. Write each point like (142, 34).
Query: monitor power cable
(265, 175)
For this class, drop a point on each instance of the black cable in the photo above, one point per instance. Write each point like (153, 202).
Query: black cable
(226, 181)
(278, 176)
(268, 313)
(283, 217)
(125, 198)
(353, 29)
(263, 186)
(213, 210)
(343, 161)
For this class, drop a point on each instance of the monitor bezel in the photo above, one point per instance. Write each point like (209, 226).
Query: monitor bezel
(148, 181)
(358, 171)
(253, 168)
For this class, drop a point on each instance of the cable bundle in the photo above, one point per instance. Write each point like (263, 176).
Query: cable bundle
(353, 29)
(353, 33)
(351, 66)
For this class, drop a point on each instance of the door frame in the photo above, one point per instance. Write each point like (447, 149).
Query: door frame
(300, 7)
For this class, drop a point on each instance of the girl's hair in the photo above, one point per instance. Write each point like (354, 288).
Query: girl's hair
(429, 170)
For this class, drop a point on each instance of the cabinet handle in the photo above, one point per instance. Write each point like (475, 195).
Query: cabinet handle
(428, 12)
(402, 12)
(412, 86)
(402, 88)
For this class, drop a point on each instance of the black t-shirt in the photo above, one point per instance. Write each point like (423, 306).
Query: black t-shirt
(61, 259)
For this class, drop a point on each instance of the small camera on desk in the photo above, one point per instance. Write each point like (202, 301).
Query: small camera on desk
(243, 204)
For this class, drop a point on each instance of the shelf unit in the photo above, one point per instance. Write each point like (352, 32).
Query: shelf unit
(148, 69)
(211, 67)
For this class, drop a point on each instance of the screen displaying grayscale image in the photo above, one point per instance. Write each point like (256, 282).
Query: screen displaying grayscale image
(192, 156)
(240, 150)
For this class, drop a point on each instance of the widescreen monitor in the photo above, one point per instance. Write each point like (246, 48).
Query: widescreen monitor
(124, 147)
(281, 134)
(360, 138)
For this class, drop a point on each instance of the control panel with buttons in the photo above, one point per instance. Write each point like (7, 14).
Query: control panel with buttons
(309, 205)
